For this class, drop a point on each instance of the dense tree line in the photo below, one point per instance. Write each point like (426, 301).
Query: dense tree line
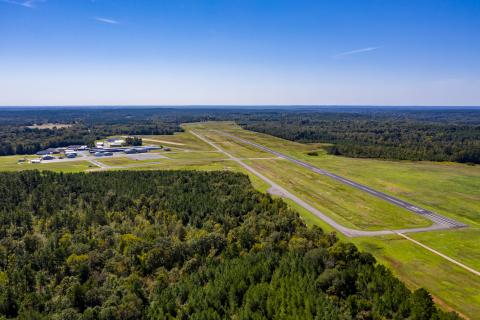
(444, 136)
(133, 141)
(183, 245)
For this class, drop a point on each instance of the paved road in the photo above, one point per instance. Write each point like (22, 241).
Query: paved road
(278, 190)
(440, 222)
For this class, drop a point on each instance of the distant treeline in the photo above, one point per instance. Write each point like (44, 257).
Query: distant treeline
(179, 245)
(398, 135)
(436, 134)
(86, 127)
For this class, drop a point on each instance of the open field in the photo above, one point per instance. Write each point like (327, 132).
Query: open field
(452, 286)
(449, 189)
(10, 163)
(50, 126)
(180, 140)
(350, 207)
(188, 165)
(124, 161)
(233, 147)
(458, 244)
(207, 155)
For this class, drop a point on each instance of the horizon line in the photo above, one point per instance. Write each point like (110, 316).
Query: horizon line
(216, 106)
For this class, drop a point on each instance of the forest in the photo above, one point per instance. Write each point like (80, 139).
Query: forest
(396, 135)
(180, 245)
(385, 133)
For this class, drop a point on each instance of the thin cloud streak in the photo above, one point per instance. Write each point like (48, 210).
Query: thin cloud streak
(26, 4)
(348, 53)
(106, 20)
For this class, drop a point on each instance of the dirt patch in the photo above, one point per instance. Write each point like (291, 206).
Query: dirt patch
(50, 126)
(447, 308)
(275, 192)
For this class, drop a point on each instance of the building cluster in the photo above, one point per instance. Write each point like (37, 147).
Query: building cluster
(69, 152)
(102, 149)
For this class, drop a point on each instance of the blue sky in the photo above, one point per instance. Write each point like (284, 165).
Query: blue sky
(356, 52)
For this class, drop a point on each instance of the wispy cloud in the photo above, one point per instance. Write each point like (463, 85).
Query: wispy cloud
(348, 53)
(24, 3)
(106, 20)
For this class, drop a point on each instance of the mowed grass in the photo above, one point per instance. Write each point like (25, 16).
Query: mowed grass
(10, 163)
(449, 189)
(293, 148)
(451, 286)
(207, 155)
(234, 148)
(350, 207)
(462, 245)
(177, 141)
(201, 165)
(125, 161)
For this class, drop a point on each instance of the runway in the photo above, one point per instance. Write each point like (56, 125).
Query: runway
(440, 222)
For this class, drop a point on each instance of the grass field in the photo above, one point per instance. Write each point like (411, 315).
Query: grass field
(453, 287)
(202, 165)
(351, 207)
(461, 245)
(125, 161)
(177, 141)
(208, 155)
(234, 148)
(10, 163)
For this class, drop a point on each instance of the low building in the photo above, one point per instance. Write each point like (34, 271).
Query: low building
(115, 142)
(142, 150)
(48, 151)
(76, 147)
(131, 151)
(36, 161)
